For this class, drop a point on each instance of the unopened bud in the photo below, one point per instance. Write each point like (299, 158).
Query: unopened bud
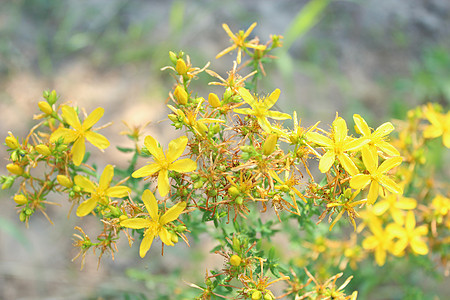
(20, 199)
(181, 95)
(256, 295)
(173, 117)
(14, 169)
(181, 67)
(173, 57)
(235, 260)
(45, 107)
(213, 100)
(267, 296)
(22, 217)
(174, 238)
(11, 141)
(64, 181)
(270, 143)
(52, 97)
(233, 191)
(236, 244)
(43, 150)
(8, 183)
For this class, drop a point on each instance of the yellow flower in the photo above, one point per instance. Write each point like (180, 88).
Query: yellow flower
(409, 235)
(337, 147)
(100, 193)
(440, 125)
(239, 42)
(376, 176)
(394, 203)
(377, 137)
(165, 163)
(380, 241)
(80, 132)
(260, 108)
(155, 225)
(441, 205)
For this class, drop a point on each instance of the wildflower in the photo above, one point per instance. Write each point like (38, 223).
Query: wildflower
(155, 225)
(440, 125)
(101, 193)
(337, 146)
(394, 204)
(377, 137)
(233, 81)
(239, 42)
(164, 163)
(441, 205)
(80, 132)
(380, 241)
(409, 235)
(376, 176)
(260, 108)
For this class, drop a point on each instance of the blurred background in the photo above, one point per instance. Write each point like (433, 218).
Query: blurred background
(377, 58)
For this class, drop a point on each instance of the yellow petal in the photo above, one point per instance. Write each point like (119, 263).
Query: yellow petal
(152, 146)
(176, 148)
(97, 140)
(118, 191)
(69, 135)
(228, 31)
(172, 213)
(339, 130)
(387, 148)
(183, 165)
(400, 246)
(431, 132)
(383, 130)
(380, 256)
(163, 182)
(380, 208)
(78, 150)
(147, 170)
(86, 207)
(276, 115)
(248, 98)
(319, 139)
(165, 237)
(373, 192)
(446, 139)
(410, 221)
(150, 204)
(406, 203)
(264, 124)
(71, 117)
(146, 243)
(419, 246)
(326, 161)
(370, 243)
(390, 163)
(370, 160)
(390, 185)
(136, 223)
(244, 111)
(361, 125)
(85, 184)
(348, 164)
(355, 144)
(359, 181)
(93, 118)
(106, 177)
(249, 30)
(272, 99)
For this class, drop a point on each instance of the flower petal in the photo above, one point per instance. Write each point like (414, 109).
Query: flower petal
(172, 213)
(276, 115)
(248, 98)
(183, 165)
(348, 164)
(390, 184)
(106, 177)
(176, 148)
(71, 117)
(359, 181)
(370, 160)
(152, 146)
(244, 111)
(327, 161)
(163, 182)
(165, 237)
(93, 118)
(383, 130)
(146, 243)
(380, 208)
(339, 130)
(355, 144)
(373, 192)
(69, 135)
(361, 125)
(406, 203)
(150, 204)
(319, 139)
(78, 150)
(136, 223)
(87, 185)
(97, 139)
(147, 170)
(390, 163)
(387, 148)
(272, 99)
(118, 191)
(419, 246)
(86, 207)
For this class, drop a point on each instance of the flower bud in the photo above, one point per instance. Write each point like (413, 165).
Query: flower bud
(174, 238)
(11, 141)
(267, 296)
(64, 181)
(236, 244)
(173, 117)
(43, 150)
(181, 95)
(256, 295)
(52, 97)
(173, 57)
(20, 199)
(180, 228)
(14, 156)
(8, 183)
(22, 217)
(235, 260)
(213, 100)
(233, 191)
(45, 107)
(123, 218)
(239, 200)
(14, 169)
(270, 143)
(181, 67)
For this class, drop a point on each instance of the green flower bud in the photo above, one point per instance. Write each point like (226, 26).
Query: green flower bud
(180, 228)
(267, 296)
(236, 244)
(52, 97)
(8, 183)
(198, 184)
(239, 200)
(174, 237)
(22, 217)
(14, 156)
(173, 57)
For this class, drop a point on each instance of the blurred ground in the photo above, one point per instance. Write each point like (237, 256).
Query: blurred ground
(361, 57)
